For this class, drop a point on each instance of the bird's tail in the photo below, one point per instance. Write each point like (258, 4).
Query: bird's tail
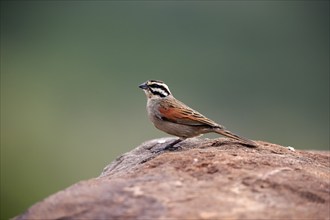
(229, 134)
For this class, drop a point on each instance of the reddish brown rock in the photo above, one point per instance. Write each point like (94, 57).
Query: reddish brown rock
(205, 179)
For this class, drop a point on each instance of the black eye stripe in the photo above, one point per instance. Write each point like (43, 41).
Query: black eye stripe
(159, 94)
(158, 91)
(157, 86)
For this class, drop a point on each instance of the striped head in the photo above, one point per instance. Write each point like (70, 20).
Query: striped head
(155, 89)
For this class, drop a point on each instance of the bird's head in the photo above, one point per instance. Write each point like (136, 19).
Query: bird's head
(155, 89)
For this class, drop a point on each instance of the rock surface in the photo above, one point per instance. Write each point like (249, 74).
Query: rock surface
(204, 179)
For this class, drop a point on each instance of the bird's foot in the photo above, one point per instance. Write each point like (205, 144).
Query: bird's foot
(170, 147)
(173, 146)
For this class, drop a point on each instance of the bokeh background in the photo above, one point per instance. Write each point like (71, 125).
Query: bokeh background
(70, 71)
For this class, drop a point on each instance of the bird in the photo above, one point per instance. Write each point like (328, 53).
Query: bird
(172, 116)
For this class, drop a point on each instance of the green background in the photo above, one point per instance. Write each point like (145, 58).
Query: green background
(70, 71)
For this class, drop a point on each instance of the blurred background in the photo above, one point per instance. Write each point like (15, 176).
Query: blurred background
(70, 70)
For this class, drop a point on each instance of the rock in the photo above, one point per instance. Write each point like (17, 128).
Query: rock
(203, 179)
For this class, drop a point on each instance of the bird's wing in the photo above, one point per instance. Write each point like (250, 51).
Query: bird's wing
(178, 112)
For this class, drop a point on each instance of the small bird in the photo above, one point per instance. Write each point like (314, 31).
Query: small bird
(174, 117)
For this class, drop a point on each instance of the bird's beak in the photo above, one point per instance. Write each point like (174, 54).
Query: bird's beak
(143, 86)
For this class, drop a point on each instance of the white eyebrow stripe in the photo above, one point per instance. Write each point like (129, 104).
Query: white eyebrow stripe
(166, 87)
(159, 90)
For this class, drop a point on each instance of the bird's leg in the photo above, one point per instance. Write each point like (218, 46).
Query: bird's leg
(171, 146)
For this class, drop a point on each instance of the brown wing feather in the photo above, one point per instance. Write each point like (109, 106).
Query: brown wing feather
(180, 113)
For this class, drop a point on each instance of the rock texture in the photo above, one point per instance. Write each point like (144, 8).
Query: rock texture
(204, 179)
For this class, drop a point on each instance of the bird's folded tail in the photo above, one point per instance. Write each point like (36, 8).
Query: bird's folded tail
(236, 137)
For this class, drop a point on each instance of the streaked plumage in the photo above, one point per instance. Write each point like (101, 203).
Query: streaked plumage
(174, 117)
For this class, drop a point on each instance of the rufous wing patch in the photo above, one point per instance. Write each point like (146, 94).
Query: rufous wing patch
(184, 115)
